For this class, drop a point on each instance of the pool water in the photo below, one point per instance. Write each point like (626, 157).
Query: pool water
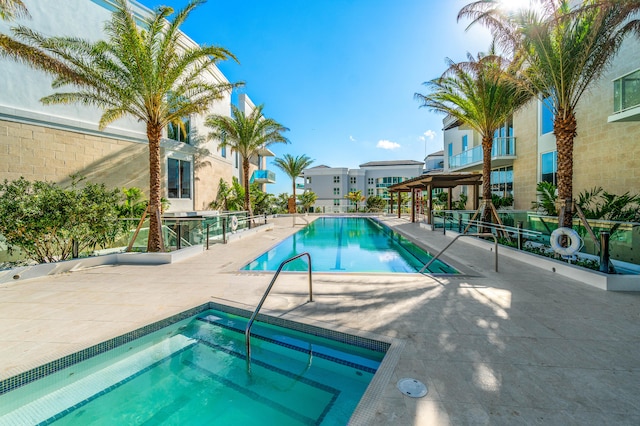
(341, 244)
(195, 372)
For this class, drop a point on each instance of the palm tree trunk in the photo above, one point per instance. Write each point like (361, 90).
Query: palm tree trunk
(245, 182)
(564, 127)
(487, 144)
(154, 242)
(293, 187)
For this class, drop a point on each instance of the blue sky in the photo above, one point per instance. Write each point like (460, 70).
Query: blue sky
(340, 74)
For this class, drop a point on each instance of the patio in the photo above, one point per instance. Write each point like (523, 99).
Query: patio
(522, 346)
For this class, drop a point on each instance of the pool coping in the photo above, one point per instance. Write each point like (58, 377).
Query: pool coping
(364, 412)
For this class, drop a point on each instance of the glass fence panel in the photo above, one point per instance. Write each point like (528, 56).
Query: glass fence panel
(624, 242)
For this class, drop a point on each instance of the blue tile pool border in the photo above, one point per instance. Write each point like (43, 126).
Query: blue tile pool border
(26, 377)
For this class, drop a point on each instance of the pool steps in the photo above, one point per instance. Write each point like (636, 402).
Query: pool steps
(65, 398)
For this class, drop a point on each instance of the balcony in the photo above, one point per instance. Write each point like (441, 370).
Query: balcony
(502, 154)
(263, 176)
(626, 98)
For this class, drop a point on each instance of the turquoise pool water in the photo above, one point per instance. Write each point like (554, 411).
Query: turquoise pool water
(195, 372)
(346, 244)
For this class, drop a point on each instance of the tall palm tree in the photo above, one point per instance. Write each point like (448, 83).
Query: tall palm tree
(246, 135)
(481, 94)
(566, 48)
(293, 166)
(145, 73)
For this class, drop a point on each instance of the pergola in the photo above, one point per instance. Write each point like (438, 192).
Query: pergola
(430, 182)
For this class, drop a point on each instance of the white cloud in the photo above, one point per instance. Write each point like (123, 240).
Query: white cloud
(385, 144)
(429, 134)
(352, 139)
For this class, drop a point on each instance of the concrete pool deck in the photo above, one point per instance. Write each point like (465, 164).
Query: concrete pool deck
(522, 346)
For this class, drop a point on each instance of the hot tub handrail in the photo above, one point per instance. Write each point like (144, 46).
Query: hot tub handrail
(481, 234)
(247, 331)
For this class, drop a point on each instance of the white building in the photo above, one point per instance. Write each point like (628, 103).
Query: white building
(333, 184)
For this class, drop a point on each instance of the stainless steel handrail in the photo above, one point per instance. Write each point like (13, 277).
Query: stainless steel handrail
(247, 331)
(482, 234)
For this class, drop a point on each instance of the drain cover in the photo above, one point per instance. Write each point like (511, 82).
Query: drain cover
(412, 388)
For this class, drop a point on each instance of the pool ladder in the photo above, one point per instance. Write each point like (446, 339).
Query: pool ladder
(247, 331)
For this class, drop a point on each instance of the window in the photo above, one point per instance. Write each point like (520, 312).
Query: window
(626, 92)
(370, 181)
(236, 155)
(336, 203)
(309, 180)
(370, 191)
(546, 116)
(223, 151)
(336, 179)
(352, 180)
(450, 149)
(502, 181)
(549, 167)
(336, 191)
(179, 178)
(465, 143)
(179, 131)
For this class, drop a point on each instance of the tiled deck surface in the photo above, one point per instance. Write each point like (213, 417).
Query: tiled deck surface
(522, 346)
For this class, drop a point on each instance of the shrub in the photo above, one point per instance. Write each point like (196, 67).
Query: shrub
(44, 220)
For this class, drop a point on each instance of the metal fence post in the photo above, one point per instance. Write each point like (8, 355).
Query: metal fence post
(207, 236)
(519, 227)
(224, 230)
(460, 224)
(604, 251)
(74, 249)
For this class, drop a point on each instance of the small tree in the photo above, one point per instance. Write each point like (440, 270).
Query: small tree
(355, 197)
(261, 202)
(229, 197)
(134, 203)
(282, 202)
(376, 204)
(547, 197)
(307, 199)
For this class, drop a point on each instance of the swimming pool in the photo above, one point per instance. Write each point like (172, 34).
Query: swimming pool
(349, 244)
(195, 371)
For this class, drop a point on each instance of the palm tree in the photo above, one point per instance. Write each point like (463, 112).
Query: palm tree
(11, 48)
(307, 199)
(246, 135)
(11, 9)
(356, 197)
(145, 73)
(480, 94)
(566, 49)
(293, 167)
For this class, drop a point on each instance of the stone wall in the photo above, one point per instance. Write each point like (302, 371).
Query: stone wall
(42, 153)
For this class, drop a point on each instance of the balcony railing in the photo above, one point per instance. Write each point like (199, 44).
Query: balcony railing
(626, 92)
(263, 176)
(502, 147)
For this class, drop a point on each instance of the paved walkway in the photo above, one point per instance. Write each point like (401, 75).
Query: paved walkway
(522, 346)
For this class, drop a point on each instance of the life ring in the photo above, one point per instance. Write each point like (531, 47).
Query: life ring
(234, 223)
(575, 242)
